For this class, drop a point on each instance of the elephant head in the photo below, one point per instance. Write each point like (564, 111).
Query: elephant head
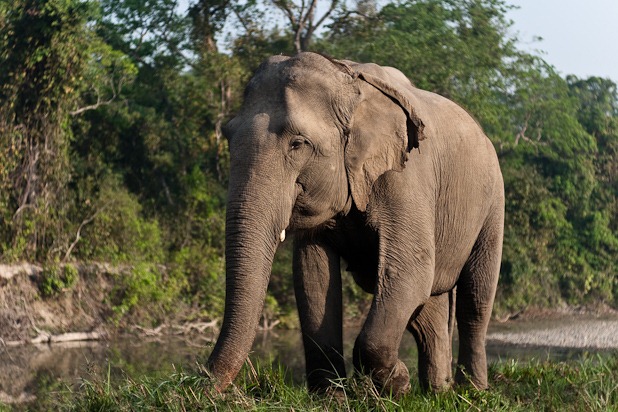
(312, 136)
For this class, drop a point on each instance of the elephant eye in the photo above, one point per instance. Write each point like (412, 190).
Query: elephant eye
(298, 143)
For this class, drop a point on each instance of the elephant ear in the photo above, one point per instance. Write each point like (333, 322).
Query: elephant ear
(384, 128)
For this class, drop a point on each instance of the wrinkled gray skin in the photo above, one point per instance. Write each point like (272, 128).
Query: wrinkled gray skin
(326, 149)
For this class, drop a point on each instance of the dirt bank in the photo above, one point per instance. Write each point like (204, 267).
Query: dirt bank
(26, 314)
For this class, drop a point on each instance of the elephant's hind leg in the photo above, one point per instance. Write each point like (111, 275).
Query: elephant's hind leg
(476, 290)
(432, 331)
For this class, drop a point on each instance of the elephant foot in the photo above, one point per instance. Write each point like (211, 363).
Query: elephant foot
(325, 380)
(389, 374)
(435, 377)
(335, 394)
(437, 387)
(478, 381)
(394, 381)
(330, 388)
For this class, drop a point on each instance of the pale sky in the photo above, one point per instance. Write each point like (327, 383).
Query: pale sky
(579, 36)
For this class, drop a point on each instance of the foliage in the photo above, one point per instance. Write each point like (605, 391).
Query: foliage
(146, 292)
(118, 233)
(150, 32)
(43, 53)
(590, 384)
(56, 278)
(203, 267)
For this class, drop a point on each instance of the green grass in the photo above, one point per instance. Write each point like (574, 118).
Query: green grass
(584, 385)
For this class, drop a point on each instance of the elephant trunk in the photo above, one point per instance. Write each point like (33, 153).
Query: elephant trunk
(251, 241)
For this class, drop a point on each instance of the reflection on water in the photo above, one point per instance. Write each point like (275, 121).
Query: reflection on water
(26, 369)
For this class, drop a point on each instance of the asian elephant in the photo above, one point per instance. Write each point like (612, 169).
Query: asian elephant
(325, 149)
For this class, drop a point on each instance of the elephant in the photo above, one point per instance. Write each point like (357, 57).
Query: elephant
(325, 149)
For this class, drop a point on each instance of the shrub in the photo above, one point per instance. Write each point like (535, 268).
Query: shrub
(147, 289)
(119, 232)
(57, 278)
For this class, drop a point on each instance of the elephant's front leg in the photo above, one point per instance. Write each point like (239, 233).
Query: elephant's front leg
(317, 283)
(404, 285)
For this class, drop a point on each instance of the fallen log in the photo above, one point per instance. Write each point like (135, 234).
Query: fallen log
(47, 338)
(176, 329)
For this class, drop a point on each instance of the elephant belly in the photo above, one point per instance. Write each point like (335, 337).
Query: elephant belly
(362, 262)
(357, 244)
(446, 275)
(454, 245)
(365, 279)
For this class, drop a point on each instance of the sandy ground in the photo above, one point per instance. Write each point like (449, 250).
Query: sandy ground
(582, 332)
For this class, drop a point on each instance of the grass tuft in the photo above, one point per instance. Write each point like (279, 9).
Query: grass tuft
(590, 384)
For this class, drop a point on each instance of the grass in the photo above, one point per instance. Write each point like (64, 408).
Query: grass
(585, 385)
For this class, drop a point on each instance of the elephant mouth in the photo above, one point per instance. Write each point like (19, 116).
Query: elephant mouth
(299, 211)
(305, 214)
(299, 189)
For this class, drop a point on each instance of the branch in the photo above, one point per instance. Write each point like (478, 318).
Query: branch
(283, 5)
(241, 20)
(98, 104)
(21, 209)
(78, 235)
(174, 329)
(168, 21)
(351, 12)
(91, 107)
(268, 325)
(308, 17)
(311, 28)
(302, 8)
(333, 4)
(522, 134)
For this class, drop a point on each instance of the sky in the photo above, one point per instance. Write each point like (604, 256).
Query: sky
(580, 37)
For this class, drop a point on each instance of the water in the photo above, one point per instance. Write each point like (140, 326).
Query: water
(27, 370)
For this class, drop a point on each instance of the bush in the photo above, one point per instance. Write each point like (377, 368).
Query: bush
(57, 278)
(203, 268)
(147, 290)
(119, 233)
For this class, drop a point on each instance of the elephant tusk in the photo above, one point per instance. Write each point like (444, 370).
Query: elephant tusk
(282, 235)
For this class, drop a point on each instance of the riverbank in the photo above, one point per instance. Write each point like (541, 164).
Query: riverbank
(85, 310)
(92, 301)
(31, 357)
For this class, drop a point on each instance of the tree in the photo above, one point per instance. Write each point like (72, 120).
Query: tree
(460, 50)
(304, 19)
(44, 48)
(597, 111)
(149, 31)
(208, 18)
